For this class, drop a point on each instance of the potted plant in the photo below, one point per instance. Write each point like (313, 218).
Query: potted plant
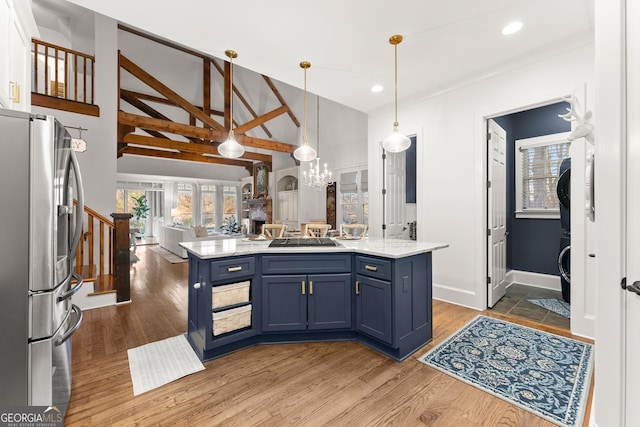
(140, 209)
(230, 225)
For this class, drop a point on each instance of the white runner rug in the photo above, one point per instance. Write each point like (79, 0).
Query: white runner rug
(161, 362)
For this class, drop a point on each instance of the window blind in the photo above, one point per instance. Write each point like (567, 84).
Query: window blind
(348, 182)
(364, 180)
(540, 168)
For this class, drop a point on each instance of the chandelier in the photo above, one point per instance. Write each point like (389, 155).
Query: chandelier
(315, 178)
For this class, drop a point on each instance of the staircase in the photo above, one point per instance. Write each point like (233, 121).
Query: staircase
(95, 261)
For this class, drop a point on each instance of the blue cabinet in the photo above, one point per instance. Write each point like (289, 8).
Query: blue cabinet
(393, 300)
(300, 302)
(373, 308)
(204, 276)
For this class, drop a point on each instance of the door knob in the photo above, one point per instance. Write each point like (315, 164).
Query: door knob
(196, 285)
(635, 287)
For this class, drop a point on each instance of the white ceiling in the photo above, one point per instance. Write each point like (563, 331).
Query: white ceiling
(446, 43)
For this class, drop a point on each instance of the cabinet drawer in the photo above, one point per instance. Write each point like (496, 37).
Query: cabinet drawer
(311, 263)
(373, 267)
(232, 268)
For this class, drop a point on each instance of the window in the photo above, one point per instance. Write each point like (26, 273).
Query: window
(183, 212)
(208, 205)
(354, 198)
(230, 202)
(537, 162)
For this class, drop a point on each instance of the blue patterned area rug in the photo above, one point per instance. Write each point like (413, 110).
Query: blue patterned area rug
(553, 304)
(543, 373)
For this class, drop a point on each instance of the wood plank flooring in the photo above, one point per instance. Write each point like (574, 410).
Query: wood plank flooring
(311, 384)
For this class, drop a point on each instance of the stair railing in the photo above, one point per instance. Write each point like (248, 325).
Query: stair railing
(97, 233)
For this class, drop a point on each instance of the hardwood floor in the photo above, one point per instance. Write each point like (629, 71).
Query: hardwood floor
(311, 384)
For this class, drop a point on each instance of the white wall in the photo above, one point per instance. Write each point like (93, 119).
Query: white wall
(98, 163)
(451, 159)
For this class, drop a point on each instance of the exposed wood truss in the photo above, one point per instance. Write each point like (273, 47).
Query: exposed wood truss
(167, 138)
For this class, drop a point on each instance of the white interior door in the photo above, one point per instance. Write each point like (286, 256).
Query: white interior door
(632, 336)
(395, 182)
(497, 214)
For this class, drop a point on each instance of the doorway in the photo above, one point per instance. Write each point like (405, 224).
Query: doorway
(530, 248)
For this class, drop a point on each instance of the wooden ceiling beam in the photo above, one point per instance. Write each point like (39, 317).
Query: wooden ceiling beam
(191, 157)
(242, 99)
(249, 141)
(151, 123)
(276, 92)
(165, 101)
(189, 147)
(258, 121)
(151, 112)
(143, 122)
(172, 96)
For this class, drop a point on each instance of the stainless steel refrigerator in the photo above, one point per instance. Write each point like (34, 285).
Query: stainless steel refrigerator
(39, 234)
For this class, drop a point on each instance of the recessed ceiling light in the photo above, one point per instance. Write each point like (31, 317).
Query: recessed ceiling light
(512, 27)
(377, 88)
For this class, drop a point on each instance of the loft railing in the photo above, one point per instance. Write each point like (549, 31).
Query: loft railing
(62, 78)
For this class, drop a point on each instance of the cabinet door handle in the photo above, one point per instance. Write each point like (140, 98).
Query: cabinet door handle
(232, 269)
(310, 287)
(357, 287)
(371, 267)
(196, 285)
(303, 287)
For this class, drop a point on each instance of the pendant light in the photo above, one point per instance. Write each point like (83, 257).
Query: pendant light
(305, 153)
(231, 149)
(396, 142)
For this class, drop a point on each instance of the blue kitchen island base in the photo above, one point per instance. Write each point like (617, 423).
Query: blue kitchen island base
(268, 296)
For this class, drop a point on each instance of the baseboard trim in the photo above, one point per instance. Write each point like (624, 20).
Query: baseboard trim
(538, 280)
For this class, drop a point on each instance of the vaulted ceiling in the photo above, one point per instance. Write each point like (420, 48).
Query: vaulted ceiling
(446, 43)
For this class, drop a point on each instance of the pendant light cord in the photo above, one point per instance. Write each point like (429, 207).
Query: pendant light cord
(396, 84)
(231, 94)
(304, 136)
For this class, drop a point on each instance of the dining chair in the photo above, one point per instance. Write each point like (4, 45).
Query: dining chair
(355, 230)
(317, 230)
(273, 230)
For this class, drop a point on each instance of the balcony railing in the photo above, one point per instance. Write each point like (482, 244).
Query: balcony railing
(62, 78)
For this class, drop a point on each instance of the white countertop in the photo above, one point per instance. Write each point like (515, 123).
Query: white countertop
(388, 248)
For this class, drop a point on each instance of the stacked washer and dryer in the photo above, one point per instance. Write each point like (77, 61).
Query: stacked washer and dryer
(564, 256)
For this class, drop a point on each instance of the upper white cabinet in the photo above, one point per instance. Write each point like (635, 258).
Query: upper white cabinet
(17, 27)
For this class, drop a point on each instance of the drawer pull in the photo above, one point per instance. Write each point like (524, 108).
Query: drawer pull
(232, 269)
(357, 287)
(310, 287)
(303, 287)
(371, 267)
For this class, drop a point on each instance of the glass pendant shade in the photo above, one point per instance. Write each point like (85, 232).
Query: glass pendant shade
(396, 142)
(231, 149)
(305, 153)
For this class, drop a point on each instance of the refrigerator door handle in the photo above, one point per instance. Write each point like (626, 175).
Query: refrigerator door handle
(71, 330)
(77, 233)
(73, 290)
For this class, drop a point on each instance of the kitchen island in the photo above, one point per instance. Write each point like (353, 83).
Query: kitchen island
(245, 292)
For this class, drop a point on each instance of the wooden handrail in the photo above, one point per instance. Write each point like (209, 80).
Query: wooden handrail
(85, 254)
(77, 83)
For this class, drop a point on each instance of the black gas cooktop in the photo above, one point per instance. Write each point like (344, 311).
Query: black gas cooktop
(303, 242)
